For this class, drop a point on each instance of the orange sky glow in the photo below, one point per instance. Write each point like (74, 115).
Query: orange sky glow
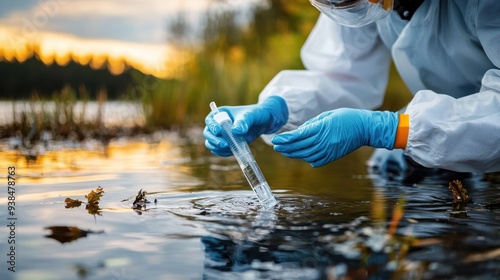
(112, 33)
(155, 59)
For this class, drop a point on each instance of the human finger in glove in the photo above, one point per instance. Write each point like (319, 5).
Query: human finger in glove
(249, 121)
(334, 134)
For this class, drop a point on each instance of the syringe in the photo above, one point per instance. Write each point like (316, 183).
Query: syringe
(243, 155)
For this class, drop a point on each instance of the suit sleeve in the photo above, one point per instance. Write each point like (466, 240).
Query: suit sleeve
(462, 134)
(345, 67)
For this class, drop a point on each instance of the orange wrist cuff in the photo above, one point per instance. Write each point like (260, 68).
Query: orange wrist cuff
(402, 132)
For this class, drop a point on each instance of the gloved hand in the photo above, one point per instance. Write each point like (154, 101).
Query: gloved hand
(336, 133)
(250, 121)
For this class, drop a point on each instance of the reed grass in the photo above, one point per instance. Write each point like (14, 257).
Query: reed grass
(57, 117)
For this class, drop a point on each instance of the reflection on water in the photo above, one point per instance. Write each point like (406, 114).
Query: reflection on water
(203, 220)
(67, 234)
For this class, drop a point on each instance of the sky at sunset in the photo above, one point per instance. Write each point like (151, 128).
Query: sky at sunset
(134, 31)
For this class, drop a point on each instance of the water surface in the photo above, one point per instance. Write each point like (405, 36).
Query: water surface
(203, 221)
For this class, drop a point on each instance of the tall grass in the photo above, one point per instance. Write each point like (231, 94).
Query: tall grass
(56, 117)
(165, 105)
(177, 103)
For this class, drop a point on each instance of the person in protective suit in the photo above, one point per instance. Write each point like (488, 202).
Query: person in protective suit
(448, 54)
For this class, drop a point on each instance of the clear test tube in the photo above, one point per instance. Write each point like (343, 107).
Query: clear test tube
(245, 159)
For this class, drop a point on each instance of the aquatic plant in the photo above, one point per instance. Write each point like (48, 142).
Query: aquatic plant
(140, 200)
(92, 205)
(459, 193)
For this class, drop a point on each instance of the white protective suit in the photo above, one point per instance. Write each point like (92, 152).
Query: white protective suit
(449, 56)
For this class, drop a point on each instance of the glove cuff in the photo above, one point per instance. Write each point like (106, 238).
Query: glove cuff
(402, 132)
(382, 128)
(278, 109)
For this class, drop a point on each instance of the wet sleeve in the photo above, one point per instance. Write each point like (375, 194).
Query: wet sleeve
(345, 67)
(462, 134)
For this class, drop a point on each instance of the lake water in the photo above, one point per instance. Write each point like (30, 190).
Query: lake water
(204, 222)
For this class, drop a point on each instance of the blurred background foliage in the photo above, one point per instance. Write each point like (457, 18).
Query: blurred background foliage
(230, 63)
(234, 63)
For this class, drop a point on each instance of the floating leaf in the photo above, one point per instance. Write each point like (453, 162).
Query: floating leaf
(460, 196)
(93, 209)
(458, 191)
(140, 197)
(92, 205)
(140, 200)
(94, 196)
(72, 203)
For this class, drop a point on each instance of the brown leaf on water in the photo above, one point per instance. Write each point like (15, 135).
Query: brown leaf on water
(140, 200)
(65, 234)
(72, 203)
(92, 205)
(460, 196)
(95, 196)
(140, 197)
(93, 199)
(93, 209)
(458, 191)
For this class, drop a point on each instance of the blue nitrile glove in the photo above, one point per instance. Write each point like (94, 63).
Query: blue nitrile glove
(250, 121)
(336, 133)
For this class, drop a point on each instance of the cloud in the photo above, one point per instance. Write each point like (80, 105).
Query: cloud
(145, 9)
(129, 20)
(96, 8)
(94, 18)
(134, 31)
(11, 6)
